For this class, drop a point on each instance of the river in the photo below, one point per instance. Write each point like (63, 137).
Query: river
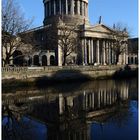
(94, 110)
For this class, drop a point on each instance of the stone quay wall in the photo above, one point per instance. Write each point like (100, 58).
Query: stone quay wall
(65, 72)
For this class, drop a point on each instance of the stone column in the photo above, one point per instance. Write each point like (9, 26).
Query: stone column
(82, 8)
(54, 6)
(60, 7)
(104, 57)
(85, 50)
(92, 55)
(92, 100)
(126, 54)
(112, 54)
(48, 58)
(61, 104)
(89, 51)
(59, 56)
(104, 96)
(66, 6)
(78, 7)
(107, 58)
(72, 7)
(109, 53)
(86, 10)
(97, 52)
(99, 98)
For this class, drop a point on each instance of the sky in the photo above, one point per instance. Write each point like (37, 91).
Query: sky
(112, 12)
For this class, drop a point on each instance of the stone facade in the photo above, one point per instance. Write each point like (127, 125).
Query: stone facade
(96, 41)
(133, 51)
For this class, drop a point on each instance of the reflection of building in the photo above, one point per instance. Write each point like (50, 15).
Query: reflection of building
(95, 41)
(66, 114)
(133, 51)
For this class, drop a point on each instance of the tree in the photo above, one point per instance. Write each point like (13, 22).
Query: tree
(66, 37)
(13, 23)
(120, 40)
(67, 40)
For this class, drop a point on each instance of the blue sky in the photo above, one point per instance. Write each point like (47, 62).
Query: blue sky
(112, 11)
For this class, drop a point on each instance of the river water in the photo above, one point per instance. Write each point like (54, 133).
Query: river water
(95, 110)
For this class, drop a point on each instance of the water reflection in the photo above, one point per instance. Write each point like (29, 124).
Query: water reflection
(70, 113)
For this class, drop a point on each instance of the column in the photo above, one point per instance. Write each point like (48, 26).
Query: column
(92, 55)
(89, 51)
(83, 53)
(61, 104)
(109, 53)
(54, 6)
(48, 58)
(113, 61)
(78, 7)
(92, 100)
(104, 58)
(86, 9)
(97, 52)
(99, 98)
(66, 6)
(82, 8)
(60, 7)
(85, 50)
(104, 96)
(59, 55)
(126, 53)
(72, 7)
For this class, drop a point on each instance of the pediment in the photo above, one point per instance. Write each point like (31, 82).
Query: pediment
(100, 28)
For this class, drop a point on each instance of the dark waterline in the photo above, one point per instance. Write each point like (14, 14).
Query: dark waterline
(99, 110)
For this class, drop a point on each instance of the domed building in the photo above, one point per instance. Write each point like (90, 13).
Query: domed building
(95, 42)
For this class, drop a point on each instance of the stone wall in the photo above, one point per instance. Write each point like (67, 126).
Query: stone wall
(65, 73)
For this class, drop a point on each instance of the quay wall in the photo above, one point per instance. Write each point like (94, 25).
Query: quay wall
(67, 72)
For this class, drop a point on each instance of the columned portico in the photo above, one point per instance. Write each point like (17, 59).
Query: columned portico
(97, 51)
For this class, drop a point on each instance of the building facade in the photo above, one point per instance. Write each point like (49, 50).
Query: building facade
(96, 41)
(133, 51)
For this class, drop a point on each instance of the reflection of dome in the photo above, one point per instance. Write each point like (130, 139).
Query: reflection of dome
(71, 11)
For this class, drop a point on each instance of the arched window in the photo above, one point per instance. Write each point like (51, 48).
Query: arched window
(52, 60)
(18, 58)
(44, 60)
(36, 60)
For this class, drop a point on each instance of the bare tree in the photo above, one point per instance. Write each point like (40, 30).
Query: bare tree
(120, 40)
(66, 37)
(67, 40)
(13, 22)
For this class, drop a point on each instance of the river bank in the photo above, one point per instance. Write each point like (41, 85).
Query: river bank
(39, 76)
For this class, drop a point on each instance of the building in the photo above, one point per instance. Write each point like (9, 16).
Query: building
(96, 41)
(133, 51)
